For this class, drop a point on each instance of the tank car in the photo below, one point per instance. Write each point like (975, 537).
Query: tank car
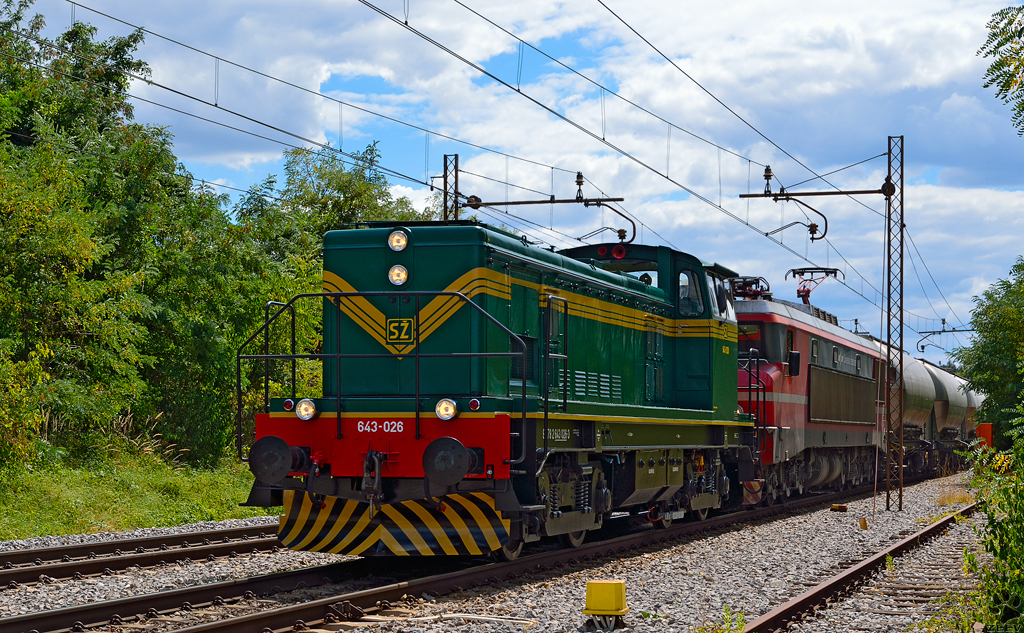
(479, 393)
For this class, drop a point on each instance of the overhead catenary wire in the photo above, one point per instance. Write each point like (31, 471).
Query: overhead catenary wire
(340, 102)
(712, 95)
(568, 238)
(482, 148)
(912, 243)
(502, 182)
(604, 89)
(594, 136)
(354, 160)
(765, 137)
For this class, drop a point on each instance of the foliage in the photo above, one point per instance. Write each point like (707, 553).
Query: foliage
(957, 612)
(127, 290)
(997, 478)
(1005, 44)
(732, 622)
(327, 195)
(992, 361)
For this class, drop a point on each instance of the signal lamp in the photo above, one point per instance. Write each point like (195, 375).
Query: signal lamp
(398, 240)
(446, 409)
(474, 405)
(619, 251)
(306, 409)
(289, 404)
(398, 274)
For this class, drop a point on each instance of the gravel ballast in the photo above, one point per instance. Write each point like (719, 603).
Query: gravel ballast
(131, 582)
(749, 570)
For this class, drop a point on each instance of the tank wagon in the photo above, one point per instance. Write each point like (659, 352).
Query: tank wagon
(479, 393)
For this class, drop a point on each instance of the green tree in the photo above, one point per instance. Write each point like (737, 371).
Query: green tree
(991, 364)
(328, 194)
(124, 288)
(1005, 44)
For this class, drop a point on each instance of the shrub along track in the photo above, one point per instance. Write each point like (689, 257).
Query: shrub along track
(222, 602)
(104, 557)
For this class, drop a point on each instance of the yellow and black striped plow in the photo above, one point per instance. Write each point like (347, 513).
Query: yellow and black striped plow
(461, 524)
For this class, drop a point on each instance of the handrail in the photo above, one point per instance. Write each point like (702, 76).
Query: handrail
(336, 298)
(266, 350)
(756, 399)
(547, 360)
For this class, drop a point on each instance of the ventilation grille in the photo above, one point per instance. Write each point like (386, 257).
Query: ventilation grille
(589, 385)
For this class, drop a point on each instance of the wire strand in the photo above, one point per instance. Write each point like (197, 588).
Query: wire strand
(599, 85)
(594, 136)
(322, 95)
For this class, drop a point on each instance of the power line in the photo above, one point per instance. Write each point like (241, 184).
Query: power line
(345, 103)
(710, 94)
(502, 182)
(570, 240)
(594, 136)
(836, 171)
(322, 95)
(352, 157)
(773, 143)
(959, 320)
(599, 85)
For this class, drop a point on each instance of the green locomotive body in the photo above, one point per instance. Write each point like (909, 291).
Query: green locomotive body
(479, 393)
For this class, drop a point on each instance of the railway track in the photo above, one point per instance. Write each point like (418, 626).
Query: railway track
(105, 557)
(224, 602)
(901, 590)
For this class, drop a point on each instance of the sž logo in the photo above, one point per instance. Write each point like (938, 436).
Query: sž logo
(400, 330)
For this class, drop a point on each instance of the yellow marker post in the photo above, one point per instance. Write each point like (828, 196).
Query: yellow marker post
(606, 603)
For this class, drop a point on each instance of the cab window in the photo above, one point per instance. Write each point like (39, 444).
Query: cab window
(690, 303)
(713, 297)
(722, 290)
(749, 337)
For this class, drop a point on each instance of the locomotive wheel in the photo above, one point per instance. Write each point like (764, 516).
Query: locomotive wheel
(572, 540)
(699, 515)
(508, 552)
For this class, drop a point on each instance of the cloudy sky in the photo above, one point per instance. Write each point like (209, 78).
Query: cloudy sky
(796, 84)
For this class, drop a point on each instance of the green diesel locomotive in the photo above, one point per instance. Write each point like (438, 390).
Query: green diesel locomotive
(480, 393)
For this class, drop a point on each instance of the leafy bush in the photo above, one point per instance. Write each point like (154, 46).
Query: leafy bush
(997, 478)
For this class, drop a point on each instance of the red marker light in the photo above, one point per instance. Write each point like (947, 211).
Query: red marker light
(474, 405)
(602, 250)
(619, 251)
(289, 405)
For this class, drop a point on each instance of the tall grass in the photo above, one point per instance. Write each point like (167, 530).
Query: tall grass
(130, 478)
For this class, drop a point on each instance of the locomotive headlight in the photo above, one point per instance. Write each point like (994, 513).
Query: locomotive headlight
(398, 274)
(398, 240)
(306, 409)
(446, 409)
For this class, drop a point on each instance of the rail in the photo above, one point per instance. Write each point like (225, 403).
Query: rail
(336, 299)
(779, 617)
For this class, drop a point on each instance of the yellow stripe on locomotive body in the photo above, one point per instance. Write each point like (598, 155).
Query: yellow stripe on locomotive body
(485, 281)
(463, 523)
